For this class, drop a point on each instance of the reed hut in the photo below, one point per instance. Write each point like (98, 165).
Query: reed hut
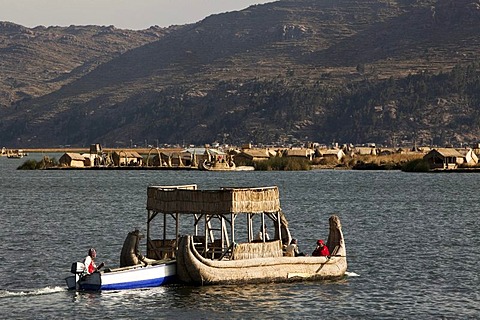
(365, 151)
(74, 160)
(444, 158)
(127, 158)
(334, 154)
(252, 155)
(300, 153)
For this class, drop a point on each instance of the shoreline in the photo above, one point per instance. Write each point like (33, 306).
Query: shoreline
(87, 150)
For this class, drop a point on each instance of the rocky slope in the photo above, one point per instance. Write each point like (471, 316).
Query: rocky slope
(38, 61)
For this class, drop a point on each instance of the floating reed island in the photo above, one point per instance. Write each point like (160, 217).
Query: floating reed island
(264, 159)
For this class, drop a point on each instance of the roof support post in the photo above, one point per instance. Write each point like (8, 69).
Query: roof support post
(176, 231)
(164, 227)
(149, 213)
(279, 226)
(249, 225)
(263, 226)
(232, 227)
(223, 233)
(197, 219)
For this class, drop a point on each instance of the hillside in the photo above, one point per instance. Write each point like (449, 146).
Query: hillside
(38, 61)
(282, 72)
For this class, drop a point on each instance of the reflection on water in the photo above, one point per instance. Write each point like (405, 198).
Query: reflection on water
(221, 301)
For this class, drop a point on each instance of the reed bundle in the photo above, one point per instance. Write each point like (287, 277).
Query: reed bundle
(258, 250)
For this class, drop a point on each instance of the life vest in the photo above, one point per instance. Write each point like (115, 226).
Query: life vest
(91, 267)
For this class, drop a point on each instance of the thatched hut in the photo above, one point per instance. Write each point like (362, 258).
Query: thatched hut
(252, 155)
(334, 154)
(444, 158)
(127, 158)
(74, 160)
(300, 153)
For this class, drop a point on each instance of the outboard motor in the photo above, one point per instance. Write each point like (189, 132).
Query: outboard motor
(77, 269)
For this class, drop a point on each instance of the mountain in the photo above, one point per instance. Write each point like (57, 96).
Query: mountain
(41, 60)
(380, 71)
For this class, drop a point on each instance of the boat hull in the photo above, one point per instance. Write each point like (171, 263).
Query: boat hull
(192, 268)
(134, 277)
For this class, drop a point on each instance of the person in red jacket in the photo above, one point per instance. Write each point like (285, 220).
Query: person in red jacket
(321, 249)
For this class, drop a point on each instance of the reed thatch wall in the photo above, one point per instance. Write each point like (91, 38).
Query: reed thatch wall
(225, 200)
(258, 250)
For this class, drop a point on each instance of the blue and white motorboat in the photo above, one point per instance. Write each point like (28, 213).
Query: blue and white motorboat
(131, 277)
(157, 268)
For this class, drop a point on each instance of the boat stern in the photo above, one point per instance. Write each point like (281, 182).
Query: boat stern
(77, 269)
(72, 282)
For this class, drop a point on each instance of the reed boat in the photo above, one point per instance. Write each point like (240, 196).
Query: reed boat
(217, 166)
(221, 162)
(224, 166)
(217, 161)
(15, 154)
(212, 252)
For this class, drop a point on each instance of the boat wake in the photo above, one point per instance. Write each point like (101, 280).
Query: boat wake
(28, 292)
(352, 274)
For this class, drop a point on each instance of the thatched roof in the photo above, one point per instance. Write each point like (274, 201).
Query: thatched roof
(215, 152)
(365, 151)
(222, 201)
(448, 152)
(75, 156)
(256, 153)
(332, 152)
(299, 152)
(128, 154)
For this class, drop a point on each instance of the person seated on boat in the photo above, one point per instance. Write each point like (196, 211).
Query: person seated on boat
(321, 249)
(292, 249)
(89, 262)
(261, 233)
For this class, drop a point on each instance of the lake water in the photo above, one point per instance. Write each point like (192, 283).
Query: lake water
(412, 244)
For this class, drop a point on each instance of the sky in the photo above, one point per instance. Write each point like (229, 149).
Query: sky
(123, 14)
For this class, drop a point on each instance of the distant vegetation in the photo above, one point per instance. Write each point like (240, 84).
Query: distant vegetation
(417, 165)
(424, 107)
(45, 163)
(383, 162)
(282, 164)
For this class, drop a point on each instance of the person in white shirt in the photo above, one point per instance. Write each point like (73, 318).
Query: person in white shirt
(292, 249)
(261, 233)
(89, 262)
